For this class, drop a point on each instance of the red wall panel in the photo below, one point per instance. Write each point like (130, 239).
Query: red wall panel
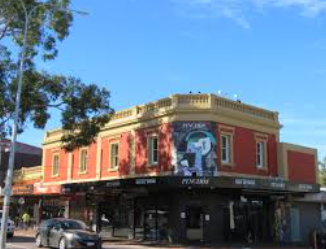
(105, 157)
(63, 162)
(245, 154)
(91, 164)
(301, 167)
(124, 140)
(124, 153)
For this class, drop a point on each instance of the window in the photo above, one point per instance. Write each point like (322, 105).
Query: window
(153, 150)
(55, 165)
(114, 155)
(260, 154)
(226, 149)
(83, 161)
(132, 153)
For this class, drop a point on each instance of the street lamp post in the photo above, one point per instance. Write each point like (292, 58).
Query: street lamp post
(10, 171)
(3, 149)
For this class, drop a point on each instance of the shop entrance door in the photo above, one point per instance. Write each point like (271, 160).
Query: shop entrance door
(195, 222)
(295, 224)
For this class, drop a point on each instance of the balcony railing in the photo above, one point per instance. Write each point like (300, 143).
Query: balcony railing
(27, 174)
(187, 102)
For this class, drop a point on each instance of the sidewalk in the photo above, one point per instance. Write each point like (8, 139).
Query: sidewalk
(148, 245)
(25, 233)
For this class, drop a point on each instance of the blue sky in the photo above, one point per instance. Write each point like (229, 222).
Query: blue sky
(272, 53)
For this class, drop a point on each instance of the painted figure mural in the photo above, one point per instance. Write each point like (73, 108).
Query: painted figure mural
(195, 149)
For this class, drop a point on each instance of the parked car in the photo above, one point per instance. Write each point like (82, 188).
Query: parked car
(66, 233)
(10, 226)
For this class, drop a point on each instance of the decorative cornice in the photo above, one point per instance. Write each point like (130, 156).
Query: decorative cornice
(215, 107)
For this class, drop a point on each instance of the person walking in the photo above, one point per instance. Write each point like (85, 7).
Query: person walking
(26, 220)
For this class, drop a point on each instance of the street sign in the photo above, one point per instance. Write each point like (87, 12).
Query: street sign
(21, 200)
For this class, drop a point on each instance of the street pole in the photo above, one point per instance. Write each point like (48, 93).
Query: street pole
(10, 171)
(1, 156)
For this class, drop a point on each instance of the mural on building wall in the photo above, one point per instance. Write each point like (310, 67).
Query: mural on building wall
(194, 149)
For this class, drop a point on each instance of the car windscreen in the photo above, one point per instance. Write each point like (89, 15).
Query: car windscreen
(71, 224)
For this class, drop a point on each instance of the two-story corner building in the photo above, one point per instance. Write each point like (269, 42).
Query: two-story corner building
(193, 167)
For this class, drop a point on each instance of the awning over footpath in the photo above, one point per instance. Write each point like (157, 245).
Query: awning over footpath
(314, 197)
(275, 185)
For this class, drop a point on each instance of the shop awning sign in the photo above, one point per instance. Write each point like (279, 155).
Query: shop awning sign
(26, 189)
(39, 188)
(21, 200)
(273, 184)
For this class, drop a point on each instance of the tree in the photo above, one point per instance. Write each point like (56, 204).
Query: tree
(322, 172)
(85, 108)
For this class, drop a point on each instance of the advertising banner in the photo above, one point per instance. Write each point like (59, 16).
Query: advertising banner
(194, 149)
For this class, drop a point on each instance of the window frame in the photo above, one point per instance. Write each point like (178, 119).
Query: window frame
(132, 152)
(150, 150)
(55, 174)
(115, 167)
(261, 152)
(80, 161)
(228, 132)
(226, 149)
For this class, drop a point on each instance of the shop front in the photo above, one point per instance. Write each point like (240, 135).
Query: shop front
(52, 204)
(23, 201)
(192, 209)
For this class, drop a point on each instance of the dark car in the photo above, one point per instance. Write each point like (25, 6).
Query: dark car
(66, 233)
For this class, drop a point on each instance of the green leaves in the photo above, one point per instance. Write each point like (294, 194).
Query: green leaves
(85, 108)
(322, 172)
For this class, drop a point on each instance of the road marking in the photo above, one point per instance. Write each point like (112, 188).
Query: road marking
(15, 246)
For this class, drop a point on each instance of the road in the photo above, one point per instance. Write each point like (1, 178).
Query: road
(28, 242)
(21, 241)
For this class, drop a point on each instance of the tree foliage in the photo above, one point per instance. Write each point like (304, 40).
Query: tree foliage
(84, 108)
(322, 172)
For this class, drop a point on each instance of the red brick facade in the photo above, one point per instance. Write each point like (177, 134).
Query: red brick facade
(133, 148)
(301, 167)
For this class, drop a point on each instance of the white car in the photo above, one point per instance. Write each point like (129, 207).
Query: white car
(10, 226)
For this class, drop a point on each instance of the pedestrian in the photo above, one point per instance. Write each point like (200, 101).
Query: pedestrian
(26, 220)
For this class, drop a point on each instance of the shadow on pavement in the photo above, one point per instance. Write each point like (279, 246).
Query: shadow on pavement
(21, 239)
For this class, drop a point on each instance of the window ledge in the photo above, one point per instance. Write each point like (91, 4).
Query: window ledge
(227, 164)
(152, 165)
(55, 176)
(113, 169)
(264, 168)
(82, 172)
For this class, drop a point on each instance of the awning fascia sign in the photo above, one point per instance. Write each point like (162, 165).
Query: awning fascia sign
(166, 182)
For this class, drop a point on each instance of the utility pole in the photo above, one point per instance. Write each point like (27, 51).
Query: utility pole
(10, 171)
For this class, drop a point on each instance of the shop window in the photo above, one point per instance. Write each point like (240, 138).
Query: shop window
(114, 156)
(55, 165)
(83, 161)
(261, 154)
(153, 150)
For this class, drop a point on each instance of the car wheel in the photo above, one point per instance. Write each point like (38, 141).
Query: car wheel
(38, 241)
(62, 243)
